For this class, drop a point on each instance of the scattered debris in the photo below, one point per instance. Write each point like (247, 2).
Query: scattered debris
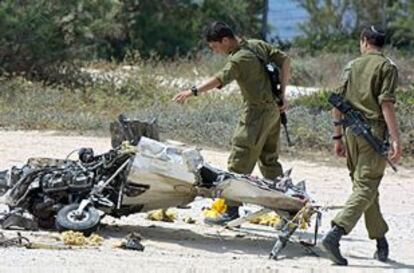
(95, 240)
(18, 218)
(19, 240)
(78, 239)
(269, 219)
(69, 239)
(189, 220)
(218, 207)
(37, 245)
(131, 242)
(73, 238)
(162, 215)
(74, 194)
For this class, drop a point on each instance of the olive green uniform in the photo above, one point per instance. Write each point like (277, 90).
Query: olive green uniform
(256, 137)
(367, 82)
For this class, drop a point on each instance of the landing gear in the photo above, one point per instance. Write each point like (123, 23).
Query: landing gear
(69, 218)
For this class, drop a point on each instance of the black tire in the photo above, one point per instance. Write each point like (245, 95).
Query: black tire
(87, 223)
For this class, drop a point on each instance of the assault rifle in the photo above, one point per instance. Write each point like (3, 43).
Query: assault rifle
(274, 76)
(359, 126)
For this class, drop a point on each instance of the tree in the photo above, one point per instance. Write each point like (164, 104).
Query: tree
(170, 27)
(38, 34)
(35, 34)
(335, 24)
(327, 26)
(401, 24)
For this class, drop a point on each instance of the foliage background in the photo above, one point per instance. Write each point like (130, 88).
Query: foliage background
(76, 65)
(335, 25)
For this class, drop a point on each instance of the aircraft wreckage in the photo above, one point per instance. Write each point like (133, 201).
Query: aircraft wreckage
(139, 174)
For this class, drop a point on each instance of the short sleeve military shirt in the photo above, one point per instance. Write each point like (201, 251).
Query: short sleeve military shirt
(367, 82)
(244, 67)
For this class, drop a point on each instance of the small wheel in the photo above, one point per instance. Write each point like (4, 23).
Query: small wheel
(68, 218)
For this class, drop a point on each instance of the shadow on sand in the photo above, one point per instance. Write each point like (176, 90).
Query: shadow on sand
(249, 240)
(216, 242)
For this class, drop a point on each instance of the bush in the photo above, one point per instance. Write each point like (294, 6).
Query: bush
(315, 102)
(405, 111)
(36, 34)
(324, 69)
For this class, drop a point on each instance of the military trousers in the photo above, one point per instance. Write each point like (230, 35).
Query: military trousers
(366, 170)
(256, 139)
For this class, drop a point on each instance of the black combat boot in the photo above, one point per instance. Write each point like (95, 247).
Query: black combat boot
(330, 243)
(221, 220)
(382, 250)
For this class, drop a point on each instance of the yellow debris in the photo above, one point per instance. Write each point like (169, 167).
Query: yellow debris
(268, 219)
(219, 205)
(304, 221)
(217, 208)
(162, 215)
(303, 225)
(95, 240)
(127, 148)
(74, 238)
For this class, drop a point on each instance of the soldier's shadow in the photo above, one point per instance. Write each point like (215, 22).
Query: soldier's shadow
(212, 240)
(244, 241)
(390, 264)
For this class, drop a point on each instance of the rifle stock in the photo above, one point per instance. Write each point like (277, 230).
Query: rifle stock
(273, 72)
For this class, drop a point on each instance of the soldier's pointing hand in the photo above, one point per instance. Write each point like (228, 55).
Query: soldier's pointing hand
(182, 96)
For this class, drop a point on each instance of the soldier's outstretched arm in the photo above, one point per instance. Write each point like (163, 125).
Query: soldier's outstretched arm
(388, 110)
(211, 83)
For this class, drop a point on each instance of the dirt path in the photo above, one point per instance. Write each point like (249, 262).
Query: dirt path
(181, 247)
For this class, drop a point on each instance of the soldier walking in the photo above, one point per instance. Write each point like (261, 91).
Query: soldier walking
(368, 84)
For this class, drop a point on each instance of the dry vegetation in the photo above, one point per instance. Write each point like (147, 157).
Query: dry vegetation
(88, 99)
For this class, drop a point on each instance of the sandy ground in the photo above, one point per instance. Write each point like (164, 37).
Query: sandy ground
(182, 247)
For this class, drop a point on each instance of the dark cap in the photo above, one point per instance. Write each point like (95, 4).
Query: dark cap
(375, 35)
(216, 31)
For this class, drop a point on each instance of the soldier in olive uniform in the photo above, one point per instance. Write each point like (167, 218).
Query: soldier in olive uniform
(368, 84)
(256, 137)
